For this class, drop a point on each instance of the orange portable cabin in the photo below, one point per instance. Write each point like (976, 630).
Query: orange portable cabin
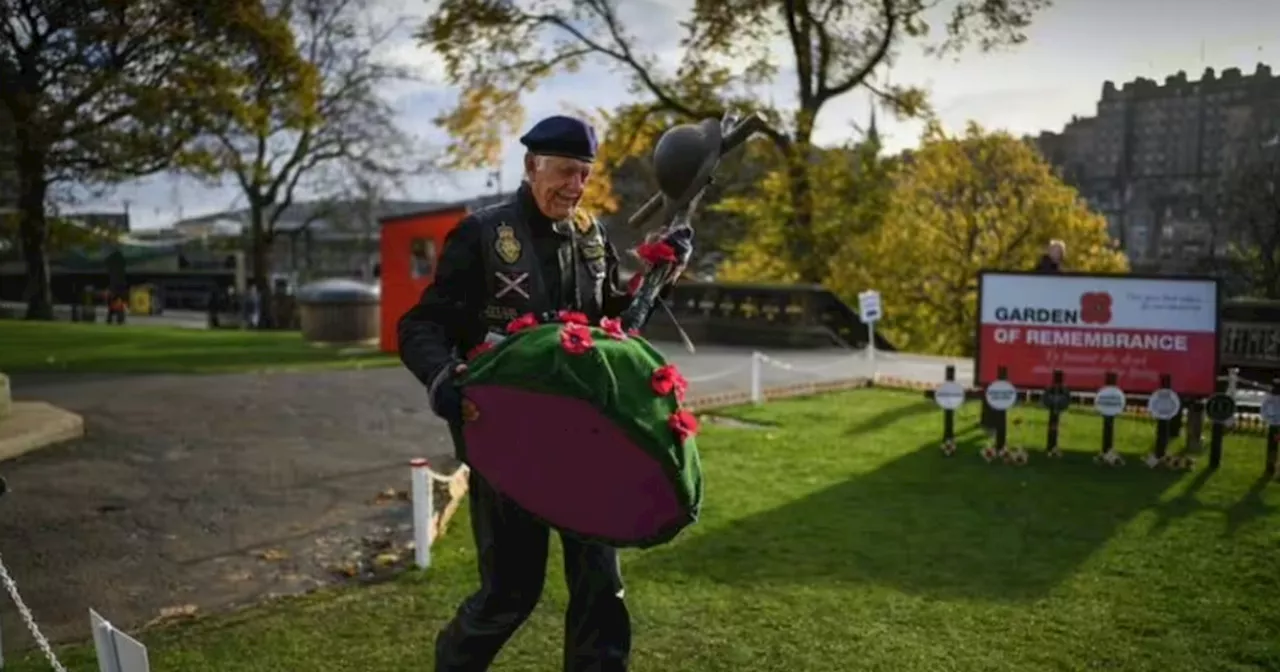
(410, 248)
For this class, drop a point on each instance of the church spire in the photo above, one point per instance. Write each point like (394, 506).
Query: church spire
(873, 132)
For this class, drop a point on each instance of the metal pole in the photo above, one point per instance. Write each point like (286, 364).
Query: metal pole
(871, 346)
(422, 505)
(757, 394)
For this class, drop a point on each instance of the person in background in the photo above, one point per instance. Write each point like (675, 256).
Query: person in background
(1051, 261)
(116, 307)
(252, 306)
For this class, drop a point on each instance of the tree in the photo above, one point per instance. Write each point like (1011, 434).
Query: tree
(1251, 215)
(959, 205)
(851, 204)
(277, 129)
(624, 179)
(64, 234)
(97, 91)
(497, 50)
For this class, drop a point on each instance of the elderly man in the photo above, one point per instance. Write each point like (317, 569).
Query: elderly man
(533, 254)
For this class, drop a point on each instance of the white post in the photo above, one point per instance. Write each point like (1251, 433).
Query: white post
(871, 345)
(117, 650)
(422, 506)
(757, 391)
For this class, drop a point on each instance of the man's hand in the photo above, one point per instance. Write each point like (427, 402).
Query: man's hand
(469, 411)
(681, 241)
(447, 400)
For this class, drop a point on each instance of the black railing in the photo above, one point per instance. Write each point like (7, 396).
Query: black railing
(763, 315)
(1250, 338)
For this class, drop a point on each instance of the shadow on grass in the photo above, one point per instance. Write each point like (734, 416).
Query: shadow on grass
(1189, 502)
(1184, 504)
(1250, 507)
(928, 525)
(892, 415)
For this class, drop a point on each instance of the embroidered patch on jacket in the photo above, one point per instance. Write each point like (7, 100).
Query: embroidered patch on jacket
(512, 283)
(500, 313)
(506, 245)
(593, 249)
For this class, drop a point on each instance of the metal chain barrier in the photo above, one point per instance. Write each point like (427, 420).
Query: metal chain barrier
(27, 617)
(821, 370)
(719, 374)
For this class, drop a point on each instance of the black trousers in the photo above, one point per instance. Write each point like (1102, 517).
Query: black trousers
(511, 548)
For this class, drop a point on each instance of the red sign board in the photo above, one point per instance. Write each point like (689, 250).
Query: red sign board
(1086, 326)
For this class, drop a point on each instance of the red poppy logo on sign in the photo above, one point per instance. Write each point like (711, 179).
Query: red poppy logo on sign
(1095, 307)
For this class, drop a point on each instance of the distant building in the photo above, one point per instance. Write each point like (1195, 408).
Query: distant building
(313, 239)
(1155, 157)
(117, 222)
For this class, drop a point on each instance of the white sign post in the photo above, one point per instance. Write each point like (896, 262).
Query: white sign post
(1270, 409)
(1270, 412)
(117, 651)
(1164, 404)
(869, 310)
(949, 396)
(1109, 401)
(1001, 395)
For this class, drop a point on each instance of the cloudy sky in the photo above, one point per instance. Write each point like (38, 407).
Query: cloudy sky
(1073, 48)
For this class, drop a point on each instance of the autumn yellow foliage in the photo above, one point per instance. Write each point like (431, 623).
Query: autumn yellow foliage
(849, 202)
(960, 204)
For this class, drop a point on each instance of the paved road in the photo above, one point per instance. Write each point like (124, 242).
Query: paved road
(183, 480)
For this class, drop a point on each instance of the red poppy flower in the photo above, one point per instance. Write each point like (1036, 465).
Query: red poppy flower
(633, 285)
(613, 328)
(1095, 307)
(666, 379)
(683, 423)
(576, 339)
(479, 350)
(573, 317)
(656, 253)
(521, 323)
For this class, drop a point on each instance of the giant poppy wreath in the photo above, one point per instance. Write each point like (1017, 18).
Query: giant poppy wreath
(584, 426)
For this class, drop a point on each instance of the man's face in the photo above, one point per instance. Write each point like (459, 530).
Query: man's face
(557, 183)
(1055, 253)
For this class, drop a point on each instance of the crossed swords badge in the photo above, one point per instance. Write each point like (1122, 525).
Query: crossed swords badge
(511, 282)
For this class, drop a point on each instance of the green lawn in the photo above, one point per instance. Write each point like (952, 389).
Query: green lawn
(841, 539)
(98, 348)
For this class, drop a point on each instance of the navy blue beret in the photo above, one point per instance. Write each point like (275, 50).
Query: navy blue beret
(562, 136)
